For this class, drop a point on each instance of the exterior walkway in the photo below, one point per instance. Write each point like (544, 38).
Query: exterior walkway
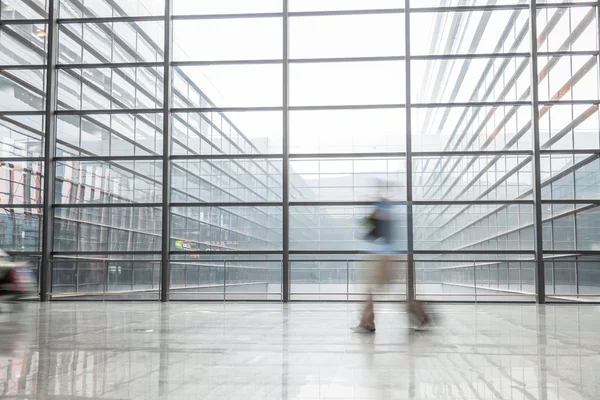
(65, 350)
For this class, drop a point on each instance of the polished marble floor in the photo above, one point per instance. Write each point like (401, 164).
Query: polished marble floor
(97, 350)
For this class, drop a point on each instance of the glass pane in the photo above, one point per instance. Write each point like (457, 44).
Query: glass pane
(21, 229)
(471, 128)
(455, 3)
(245, 132)
(346, 179)
(17, 9)
(472, 178)
(79, 182)
(194, 7)
(569, 29)
(21, 182)
(116, 277)
(470, 80)
(256, 180)
(588, 228)
(110, 88)
(568, 78)
(107, 229)
(348, 131)
(236, 85)
(22, 90)
(228, 39)
(111, 8)
(498, 31)
(229, 277)
(338, 228)
(497, 281)
(111, 42)
(333, 5)
(568, 127)
(226, 228)
(21, 136)
(347, 36)
(350, 83)
(23, 44)
(559, 172)
(473, 227)
(109, 135)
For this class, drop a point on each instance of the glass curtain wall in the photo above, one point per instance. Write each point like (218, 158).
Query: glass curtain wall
(229, 150)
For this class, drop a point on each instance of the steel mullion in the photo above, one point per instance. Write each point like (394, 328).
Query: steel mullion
(45, 273)
(286, 266)
(410, 262)
(540, 281)
(166, 154)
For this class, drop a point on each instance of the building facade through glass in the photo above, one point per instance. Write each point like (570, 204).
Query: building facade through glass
(210, 150)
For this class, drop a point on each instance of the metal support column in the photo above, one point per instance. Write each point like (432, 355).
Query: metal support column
(166, 157)
(537, 179)
(285, 276)
(410, 262)
(45, 274)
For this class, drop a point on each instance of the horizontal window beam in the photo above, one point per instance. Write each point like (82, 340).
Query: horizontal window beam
(223, 252)
(471, 153)
(227, 204)
(101, 20)
(109, 158)
(239, 156)
(186, 17)
(107, 205)
(111, 65)
(9, 206)
(113, 111)
(177, 110)
(347, 155)
(37, 21)
(225, 62)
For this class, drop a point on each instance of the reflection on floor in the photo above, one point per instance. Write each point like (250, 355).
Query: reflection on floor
(297, 351)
